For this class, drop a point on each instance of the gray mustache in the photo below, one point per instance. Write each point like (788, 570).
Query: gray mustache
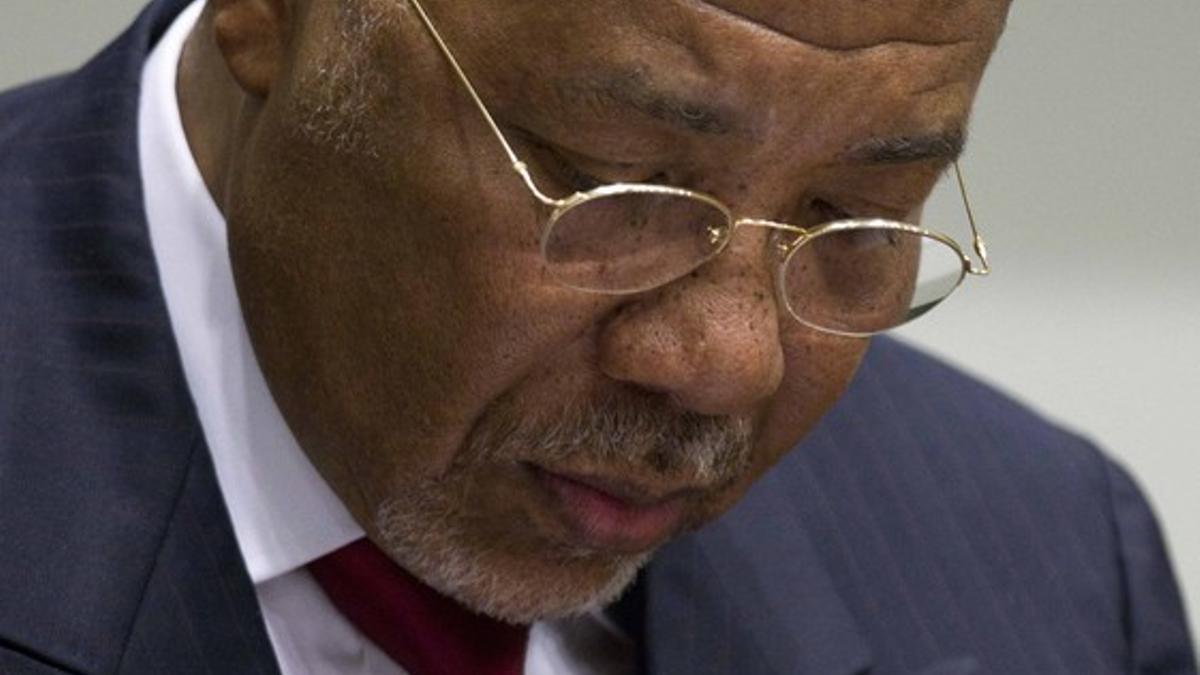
(632, 429)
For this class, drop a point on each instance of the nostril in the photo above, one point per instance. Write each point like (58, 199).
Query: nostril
(708, 344)
(665, 396)
(650, 390)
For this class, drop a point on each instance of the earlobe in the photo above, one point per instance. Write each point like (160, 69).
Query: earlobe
(251, 35)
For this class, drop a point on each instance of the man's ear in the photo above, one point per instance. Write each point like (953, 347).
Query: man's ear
(251, 35)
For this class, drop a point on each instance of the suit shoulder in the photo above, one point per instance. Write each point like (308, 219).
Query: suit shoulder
(927, 479)
(42, 118)
(23, 112)
(936, 453)
(943, 409)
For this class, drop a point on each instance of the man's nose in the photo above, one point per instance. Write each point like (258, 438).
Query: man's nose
(709, 340)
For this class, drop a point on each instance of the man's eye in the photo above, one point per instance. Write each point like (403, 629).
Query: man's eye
(566, 170)
(570, 175)
(827, 212)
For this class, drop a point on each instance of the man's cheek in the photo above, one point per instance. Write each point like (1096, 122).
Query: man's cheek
(792, 413)
(817, 370)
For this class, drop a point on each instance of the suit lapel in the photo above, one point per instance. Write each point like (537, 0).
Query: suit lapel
(109, 509)
(748, 594)
(199, 613)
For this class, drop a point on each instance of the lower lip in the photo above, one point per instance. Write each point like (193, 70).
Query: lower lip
(602, 521)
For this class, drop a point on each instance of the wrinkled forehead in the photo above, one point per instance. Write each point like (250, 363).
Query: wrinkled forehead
(709, 27)
(849, 24)
(763, 67)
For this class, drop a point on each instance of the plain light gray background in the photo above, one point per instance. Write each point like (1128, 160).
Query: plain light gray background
(1084, 167)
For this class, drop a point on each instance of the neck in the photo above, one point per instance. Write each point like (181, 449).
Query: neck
(214, 110)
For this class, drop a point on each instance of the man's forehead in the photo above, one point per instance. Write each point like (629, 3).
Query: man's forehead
(715, 66)
(731, 75)
(855, 24)
(838, 25)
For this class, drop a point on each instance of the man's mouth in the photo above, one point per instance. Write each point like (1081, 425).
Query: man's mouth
(614, 515)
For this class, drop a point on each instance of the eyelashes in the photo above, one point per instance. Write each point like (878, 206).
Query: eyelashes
(828, 212)
(568, 173)
(562, 167)
(573, 178)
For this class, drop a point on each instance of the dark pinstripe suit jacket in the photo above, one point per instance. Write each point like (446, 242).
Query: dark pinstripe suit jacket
(928, 526)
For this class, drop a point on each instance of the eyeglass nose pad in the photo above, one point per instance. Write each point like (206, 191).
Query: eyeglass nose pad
(718, 235)
(782, 237)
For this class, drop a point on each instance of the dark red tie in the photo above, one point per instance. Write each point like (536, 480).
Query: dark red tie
(423, 631)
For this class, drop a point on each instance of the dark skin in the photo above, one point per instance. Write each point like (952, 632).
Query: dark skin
(386, 257)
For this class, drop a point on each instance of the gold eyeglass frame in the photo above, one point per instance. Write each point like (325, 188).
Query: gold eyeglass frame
(720, 236)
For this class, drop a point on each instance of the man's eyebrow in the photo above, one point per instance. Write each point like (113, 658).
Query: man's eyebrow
(634, 90)
(945, 146)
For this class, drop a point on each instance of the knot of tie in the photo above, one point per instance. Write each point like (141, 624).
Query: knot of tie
(422, 630)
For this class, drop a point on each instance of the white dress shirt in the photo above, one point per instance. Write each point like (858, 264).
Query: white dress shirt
(284, 514)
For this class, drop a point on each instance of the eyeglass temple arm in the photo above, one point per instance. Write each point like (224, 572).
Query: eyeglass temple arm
(523, 170)
(519, 166)
(977, 243)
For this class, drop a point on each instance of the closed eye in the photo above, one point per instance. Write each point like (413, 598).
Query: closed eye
(580, 173)
(827, 212)
(570, 175)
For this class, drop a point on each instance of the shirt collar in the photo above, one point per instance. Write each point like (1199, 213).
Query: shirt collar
(284, 514)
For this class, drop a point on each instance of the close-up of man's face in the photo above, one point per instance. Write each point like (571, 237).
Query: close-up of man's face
(519, 444)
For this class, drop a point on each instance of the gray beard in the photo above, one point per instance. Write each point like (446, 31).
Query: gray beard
(426, 529)
(441, 553)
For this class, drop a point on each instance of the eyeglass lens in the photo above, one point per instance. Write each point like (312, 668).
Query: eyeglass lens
(868, 279)
(847, 278)
(631, 241)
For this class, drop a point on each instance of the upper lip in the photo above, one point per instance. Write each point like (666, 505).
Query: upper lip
(631, 491)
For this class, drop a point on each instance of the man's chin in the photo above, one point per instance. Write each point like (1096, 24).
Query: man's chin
(522, 596)
(516, 586)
